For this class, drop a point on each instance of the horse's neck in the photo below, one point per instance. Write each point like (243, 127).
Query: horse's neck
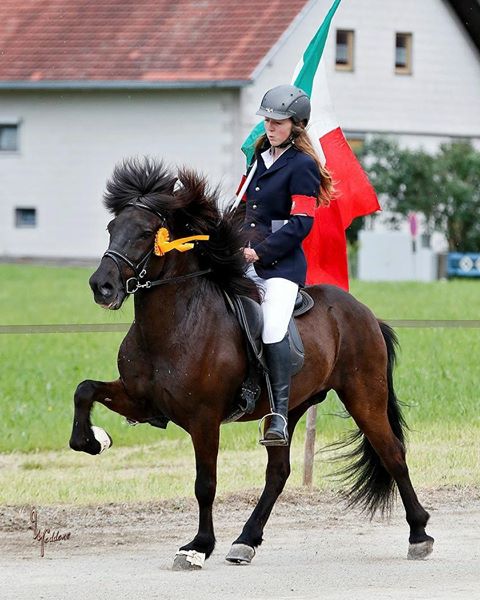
(173, 309)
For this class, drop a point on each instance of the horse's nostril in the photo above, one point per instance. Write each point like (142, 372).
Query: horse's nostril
(106, 290)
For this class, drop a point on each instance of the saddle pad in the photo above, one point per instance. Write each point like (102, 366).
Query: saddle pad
(303, 303)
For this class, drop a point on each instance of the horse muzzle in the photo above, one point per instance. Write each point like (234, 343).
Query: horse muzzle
(107, 288)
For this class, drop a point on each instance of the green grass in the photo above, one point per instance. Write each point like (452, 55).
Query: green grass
(436, 376)
(166, 469)
(455, 299)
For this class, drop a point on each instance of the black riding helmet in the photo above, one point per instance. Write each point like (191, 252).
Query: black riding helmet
(284, 102)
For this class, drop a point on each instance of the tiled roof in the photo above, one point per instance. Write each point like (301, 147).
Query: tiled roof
(139, 40)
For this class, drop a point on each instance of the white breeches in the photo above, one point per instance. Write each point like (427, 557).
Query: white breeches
(279, 297)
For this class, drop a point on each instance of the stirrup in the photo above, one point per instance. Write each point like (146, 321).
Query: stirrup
(274, 442)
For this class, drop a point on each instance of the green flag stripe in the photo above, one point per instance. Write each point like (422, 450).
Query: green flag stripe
(248, 146)
(313, 53)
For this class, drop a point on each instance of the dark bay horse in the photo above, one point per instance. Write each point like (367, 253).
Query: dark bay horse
(184, 356)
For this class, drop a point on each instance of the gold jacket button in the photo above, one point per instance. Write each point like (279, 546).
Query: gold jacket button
(254, 207)
(252, 224)
(257, 189)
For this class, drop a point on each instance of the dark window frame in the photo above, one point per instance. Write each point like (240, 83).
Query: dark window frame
(26, 217)
(406, 67)
(345, 63)
(16, 127)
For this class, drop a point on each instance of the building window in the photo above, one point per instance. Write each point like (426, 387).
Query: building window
(403, 53)
(8, 137)
(344, 50)
(25, 217)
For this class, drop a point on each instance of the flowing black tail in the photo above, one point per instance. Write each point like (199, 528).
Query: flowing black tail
(372, 487)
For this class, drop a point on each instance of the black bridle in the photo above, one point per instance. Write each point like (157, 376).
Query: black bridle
(133, 284)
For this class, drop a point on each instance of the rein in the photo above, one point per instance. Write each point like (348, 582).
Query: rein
(149, 284)
(162, 246)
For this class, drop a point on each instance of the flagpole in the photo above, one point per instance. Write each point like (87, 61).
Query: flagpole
(244, 187)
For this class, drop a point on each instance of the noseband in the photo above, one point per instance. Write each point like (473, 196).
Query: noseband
(135, 283)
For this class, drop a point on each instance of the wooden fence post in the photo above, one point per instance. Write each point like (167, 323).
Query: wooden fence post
(309, 446)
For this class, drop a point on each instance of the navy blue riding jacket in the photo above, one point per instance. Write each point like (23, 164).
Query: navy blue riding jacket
(280, 206)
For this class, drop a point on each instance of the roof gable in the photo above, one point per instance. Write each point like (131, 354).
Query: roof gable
(156, 41)
(468, 12)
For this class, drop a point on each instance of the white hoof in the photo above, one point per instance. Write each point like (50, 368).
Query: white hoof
(102, 438)
(420, 551)
(188, 560)
(240, 554)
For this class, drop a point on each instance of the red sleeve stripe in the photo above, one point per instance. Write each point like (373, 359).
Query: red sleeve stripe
(244, 178)
(303, 205)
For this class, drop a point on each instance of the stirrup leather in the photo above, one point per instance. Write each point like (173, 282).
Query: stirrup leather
(273, 442)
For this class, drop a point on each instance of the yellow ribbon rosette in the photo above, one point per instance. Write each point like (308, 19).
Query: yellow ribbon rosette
(164, 245)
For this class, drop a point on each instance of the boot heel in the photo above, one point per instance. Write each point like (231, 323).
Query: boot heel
(273, 441)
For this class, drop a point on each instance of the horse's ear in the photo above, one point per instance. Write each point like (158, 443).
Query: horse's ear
(177, 187)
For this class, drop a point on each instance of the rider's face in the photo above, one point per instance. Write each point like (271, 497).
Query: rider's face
(278, 131)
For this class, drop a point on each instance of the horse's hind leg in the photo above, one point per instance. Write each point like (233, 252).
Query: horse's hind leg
(205, 438)
(374, 482)
(278, 470)
(112, 395)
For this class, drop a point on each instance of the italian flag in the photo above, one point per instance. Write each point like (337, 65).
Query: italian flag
(326, 247)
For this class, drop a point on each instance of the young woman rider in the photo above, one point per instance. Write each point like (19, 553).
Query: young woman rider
(287, 186)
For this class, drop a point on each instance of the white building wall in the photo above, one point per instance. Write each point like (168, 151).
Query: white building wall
(441, 98)
(70, 142)
(391, 256)
(442, 95)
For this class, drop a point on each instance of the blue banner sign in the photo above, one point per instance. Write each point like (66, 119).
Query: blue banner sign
(463, 264)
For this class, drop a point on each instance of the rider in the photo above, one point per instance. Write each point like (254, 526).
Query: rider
(287, 186)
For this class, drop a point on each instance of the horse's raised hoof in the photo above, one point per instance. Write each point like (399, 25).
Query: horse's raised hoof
(102, 438)
(421, 550)
(188, 560)
(97, 443)
(240, 554)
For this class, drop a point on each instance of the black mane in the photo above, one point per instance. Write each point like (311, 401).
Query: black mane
(134, 179)
(192, 209)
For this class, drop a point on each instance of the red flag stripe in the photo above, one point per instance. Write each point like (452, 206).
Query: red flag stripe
(326, 249)
(354, 193)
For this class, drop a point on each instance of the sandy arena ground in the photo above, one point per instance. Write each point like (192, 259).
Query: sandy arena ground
(313, 548)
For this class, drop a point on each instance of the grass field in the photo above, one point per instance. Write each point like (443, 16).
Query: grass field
(437, 377)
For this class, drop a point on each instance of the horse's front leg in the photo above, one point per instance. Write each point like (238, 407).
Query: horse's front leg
(205, 442)
(278, 470)
(113, 396)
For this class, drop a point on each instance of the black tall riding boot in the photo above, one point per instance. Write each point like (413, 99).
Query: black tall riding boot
(279, 363)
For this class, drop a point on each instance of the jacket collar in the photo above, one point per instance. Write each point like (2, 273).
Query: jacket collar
(280, 162)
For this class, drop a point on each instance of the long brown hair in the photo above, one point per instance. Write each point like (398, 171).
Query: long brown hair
(301, 141)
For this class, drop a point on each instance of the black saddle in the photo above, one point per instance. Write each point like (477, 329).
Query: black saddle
(250, 317)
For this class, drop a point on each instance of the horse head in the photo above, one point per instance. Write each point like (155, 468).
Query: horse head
(152, 217)
(138, 195)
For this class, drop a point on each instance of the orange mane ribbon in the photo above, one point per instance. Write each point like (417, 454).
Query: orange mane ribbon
(164, 245)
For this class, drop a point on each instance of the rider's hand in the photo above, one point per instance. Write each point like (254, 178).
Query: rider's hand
(250, 255)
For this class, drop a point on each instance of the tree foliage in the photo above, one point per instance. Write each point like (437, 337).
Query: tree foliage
(444, 187)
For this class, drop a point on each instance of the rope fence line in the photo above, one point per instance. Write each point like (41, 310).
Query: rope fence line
(123, 327)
